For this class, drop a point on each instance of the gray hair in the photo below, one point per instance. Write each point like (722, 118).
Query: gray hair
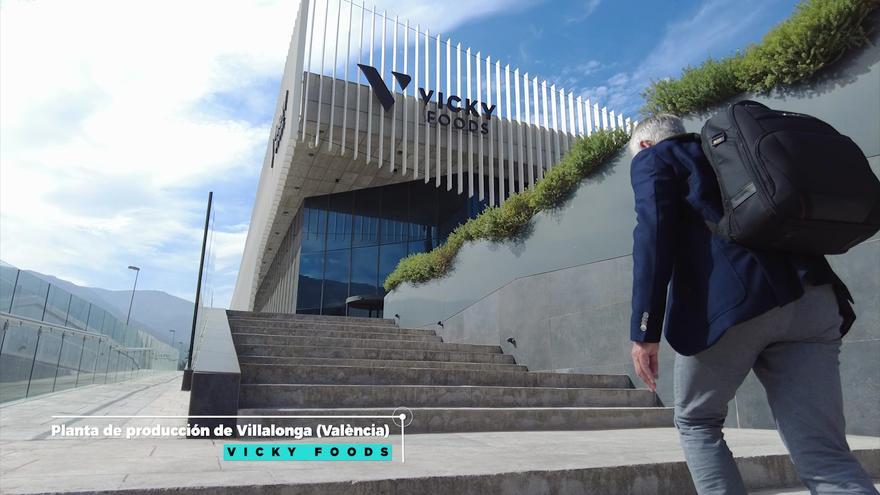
(655, 129)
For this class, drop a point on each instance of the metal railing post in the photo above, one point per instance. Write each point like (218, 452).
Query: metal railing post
(31, 374)
(46, 302)
(79, 365)
(3, 338)
(187, 372)
(67, 314)
(97, 359)
(58, 362)
(107, 369)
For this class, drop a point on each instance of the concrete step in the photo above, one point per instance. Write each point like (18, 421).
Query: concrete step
(364, 375)
(339, 334)
(476, 419)
(295, 340)
(297, 396)
(243, 324)
(372, 353)
(318, 318)
(376, 363)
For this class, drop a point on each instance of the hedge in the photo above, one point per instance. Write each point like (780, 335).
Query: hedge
(816, 35)
(510, 218)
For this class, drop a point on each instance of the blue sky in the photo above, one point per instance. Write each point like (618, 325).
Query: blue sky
(117, 117)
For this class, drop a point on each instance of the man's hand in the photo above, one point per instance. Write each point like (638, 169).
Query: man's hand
(644, 356)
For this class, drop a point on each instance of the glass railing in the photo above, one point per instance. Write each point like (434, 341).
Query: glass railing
(51, 340)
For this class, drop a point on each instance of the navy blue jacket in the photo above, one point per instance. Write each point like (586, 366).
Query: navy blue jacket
(712, 284)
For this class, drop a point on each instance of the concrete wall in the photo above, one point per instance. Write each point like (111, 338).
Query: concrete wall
(563, 291)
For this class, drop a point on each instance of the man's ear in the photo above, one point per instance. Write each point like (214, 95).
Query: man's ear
(646, 144)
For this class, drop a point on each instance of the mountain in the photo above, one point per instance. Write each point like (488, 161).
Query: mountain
(153, 311)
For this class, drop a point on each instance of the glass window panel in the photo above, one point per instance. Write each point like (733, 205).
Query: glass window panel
(17, 354)
(87, 363)
(395, 213)
(419, 246)
(119, 331)
(423, 213)
(367, 209)
(452, 211)
(69, 365)
(339, 221)
(8, 274)
(108, 324)
(314, 224)
(361, 312)
(48, 351)
(121, 366)
(311, 274)
(96, 318)
(364, 271)
(77, 316)
(100, 373)
(30, 296)
(110, 366)
(336, 275)
(389, 256)
(56, 306)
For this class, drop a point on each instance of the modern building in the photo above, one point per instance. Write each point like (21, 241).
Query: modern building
(386, 137)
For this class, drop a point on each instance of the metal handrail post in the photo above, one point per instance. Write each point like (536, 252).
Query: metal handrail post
(79, 365)
(187, 372)
(58, 362)
(31, 374)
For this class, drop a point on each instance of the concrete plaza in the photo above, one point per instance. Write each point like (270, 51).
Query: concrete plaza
(646, 460)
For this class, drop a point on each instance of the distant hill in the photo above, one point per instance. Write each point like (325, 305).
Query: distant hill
(154, 311)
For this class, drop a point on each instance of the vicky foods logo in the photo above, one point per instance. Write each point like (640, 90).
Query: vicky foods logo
(462, 114)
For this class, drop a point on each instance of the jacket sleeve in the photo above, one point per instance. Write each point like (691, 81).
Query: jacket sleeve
(656, 202)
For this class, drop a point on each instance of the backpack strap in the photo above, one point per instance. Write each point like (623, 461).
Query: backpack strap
(686, 136)
(692, 136)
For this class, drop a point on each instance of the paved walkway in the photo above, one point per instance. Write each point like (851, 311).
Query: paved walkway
(32, 461)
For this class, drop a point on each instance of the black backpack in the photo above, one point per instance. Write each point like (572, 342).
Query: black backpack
(789, 181)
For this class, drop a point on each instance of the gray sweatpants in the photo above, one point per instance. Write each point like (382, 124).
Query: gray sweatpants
(794, 351)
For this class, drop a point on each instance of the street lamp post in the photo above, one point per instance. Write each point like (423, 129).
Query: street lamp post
(137, 271)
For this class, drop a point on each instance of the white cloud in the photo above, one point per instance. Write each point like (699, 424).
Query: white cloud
(586, 10)
(106, 155)
(111, 132)
(685, 42)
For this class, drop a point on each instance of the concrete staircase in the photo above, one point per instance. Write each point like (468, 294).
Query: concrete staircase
(326, 365)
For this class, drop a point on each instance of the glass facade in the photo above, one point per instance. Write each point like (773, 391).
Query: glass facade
(345, 244)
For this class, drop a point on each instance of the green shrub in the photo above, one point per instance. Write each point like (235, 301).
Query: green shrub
(816, 35)
(714, 80)
(507, 221)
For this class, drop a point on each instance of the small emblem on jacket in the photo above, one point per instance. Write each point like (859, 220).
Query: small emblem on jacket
(644, 325)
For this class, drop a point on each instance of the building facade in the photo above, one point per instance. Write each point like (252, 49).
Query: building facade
(343, 245)
(386, 138)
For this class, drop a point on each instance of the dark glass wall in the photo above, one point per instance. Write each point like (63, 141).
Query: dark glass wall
(345, 244)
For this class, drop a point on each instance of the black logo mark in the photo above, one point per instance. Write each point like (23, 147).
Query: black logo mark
(378, 84)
